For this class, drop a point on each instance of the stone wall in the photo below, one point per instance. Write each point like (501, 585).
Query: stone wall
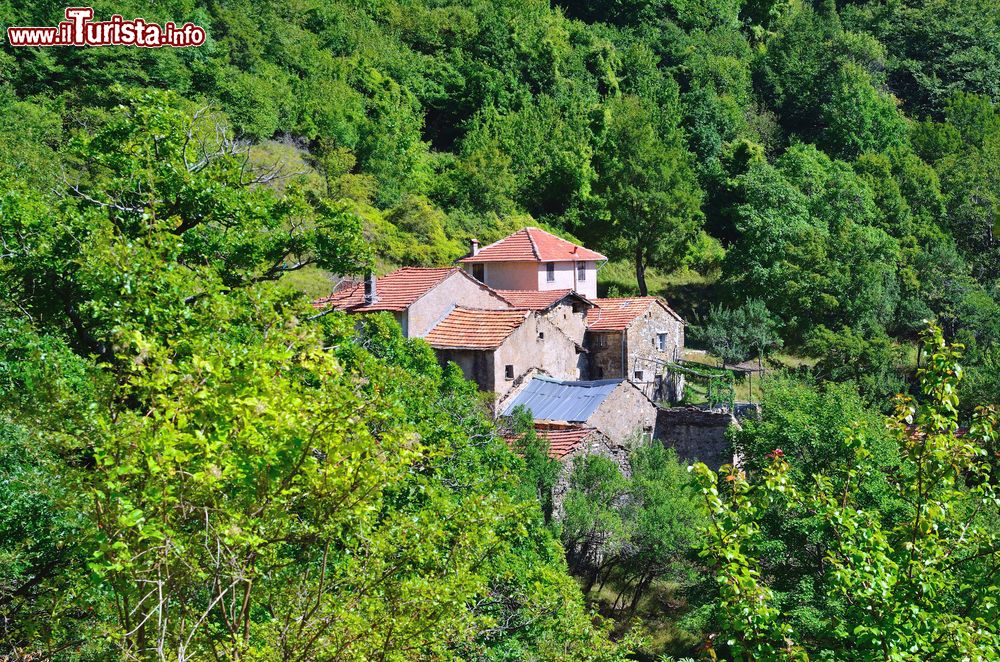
(645, 358)
(696, 435)
(605, 353)
(573, 324)
(536, 344)
(625, 413)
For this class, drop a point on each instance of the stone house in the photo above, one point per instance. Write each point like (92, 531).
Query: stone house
(497, 349)
(617, 408)
(567, 442)
(533, 259)
(417, 297)
(564, 308)
(634, 338)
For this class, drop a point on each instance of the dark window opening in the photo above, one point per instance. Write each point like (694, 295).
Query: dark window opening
(479, 272)
(550, 272)
(581, 271)
(638, 375)
(541, 335)
(508, 371)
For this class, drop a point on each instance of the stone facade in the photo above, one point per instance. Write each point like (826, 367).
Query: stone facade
(639, 351)
(625, 415)
(536, 347)
(697, 435)
(607, 352)
(570, 315)
(653, 338)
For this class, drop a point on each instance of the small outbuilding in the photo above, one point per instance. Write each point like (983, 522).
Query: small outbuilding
(614, 407)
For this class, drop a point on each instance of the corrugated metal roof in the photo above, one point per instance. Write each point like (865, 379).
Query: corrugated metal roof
(553, 400)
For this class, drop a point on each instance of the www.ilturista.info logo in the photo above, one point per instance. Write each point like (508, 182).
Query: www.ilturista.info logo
(79, 29)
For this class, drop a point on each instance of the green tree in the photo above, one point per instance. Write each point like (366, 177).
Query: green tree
(243, 478)
(646, 197)
(919, 584)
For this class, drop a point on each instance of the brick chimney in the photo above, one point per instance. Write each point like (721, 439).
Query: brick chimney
(473, 246)
(371, 296)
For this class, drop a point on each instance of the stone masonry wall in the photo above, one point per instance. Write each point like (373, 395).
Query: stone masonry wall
(645, 356)
(538, 344)
(605, 355)
(623, 414)
(696, 435)
(572, 324)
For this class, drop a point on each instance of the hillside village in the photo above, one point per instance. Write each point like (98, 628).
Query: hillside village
(522, 319)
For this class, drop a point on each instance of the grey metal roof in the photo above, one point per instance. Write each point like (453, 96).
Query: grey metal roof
(552, 400)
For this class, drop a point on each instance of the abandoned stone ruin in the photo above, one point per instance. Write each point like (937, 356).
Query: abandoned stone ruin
(522, 319)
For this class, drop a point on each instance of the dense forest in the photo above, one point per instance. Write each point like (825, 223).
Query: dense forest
(196, 465)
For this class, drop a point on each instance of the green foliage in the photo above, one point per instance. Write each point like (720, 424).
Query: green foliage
(646, 199)
(834, 163)
(872, 363)
(916, 583)
(633, 529)
(736, 334)
(239, 478)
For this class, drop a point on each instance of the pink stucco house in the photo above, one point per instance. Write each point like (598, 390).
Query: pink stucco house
(533, 259)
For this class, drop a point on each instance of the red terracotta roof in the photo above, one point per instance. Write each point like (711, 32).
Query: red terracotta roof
(395, 292)
(533, 245)
(537, 300)
(562, 439)
(472, 328)
(616, 314)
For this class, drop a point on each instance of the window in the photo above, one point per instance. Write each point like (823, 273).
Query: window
(479, 272)
(581, 271)
(602, 341)
(508, 371)
(550, 272)
(541, 335)
(600, 373)
(661, 342)
(638, 374)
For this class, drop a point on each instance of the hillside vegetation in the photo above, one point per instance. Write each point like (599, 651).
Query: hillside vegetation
(194, 465)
